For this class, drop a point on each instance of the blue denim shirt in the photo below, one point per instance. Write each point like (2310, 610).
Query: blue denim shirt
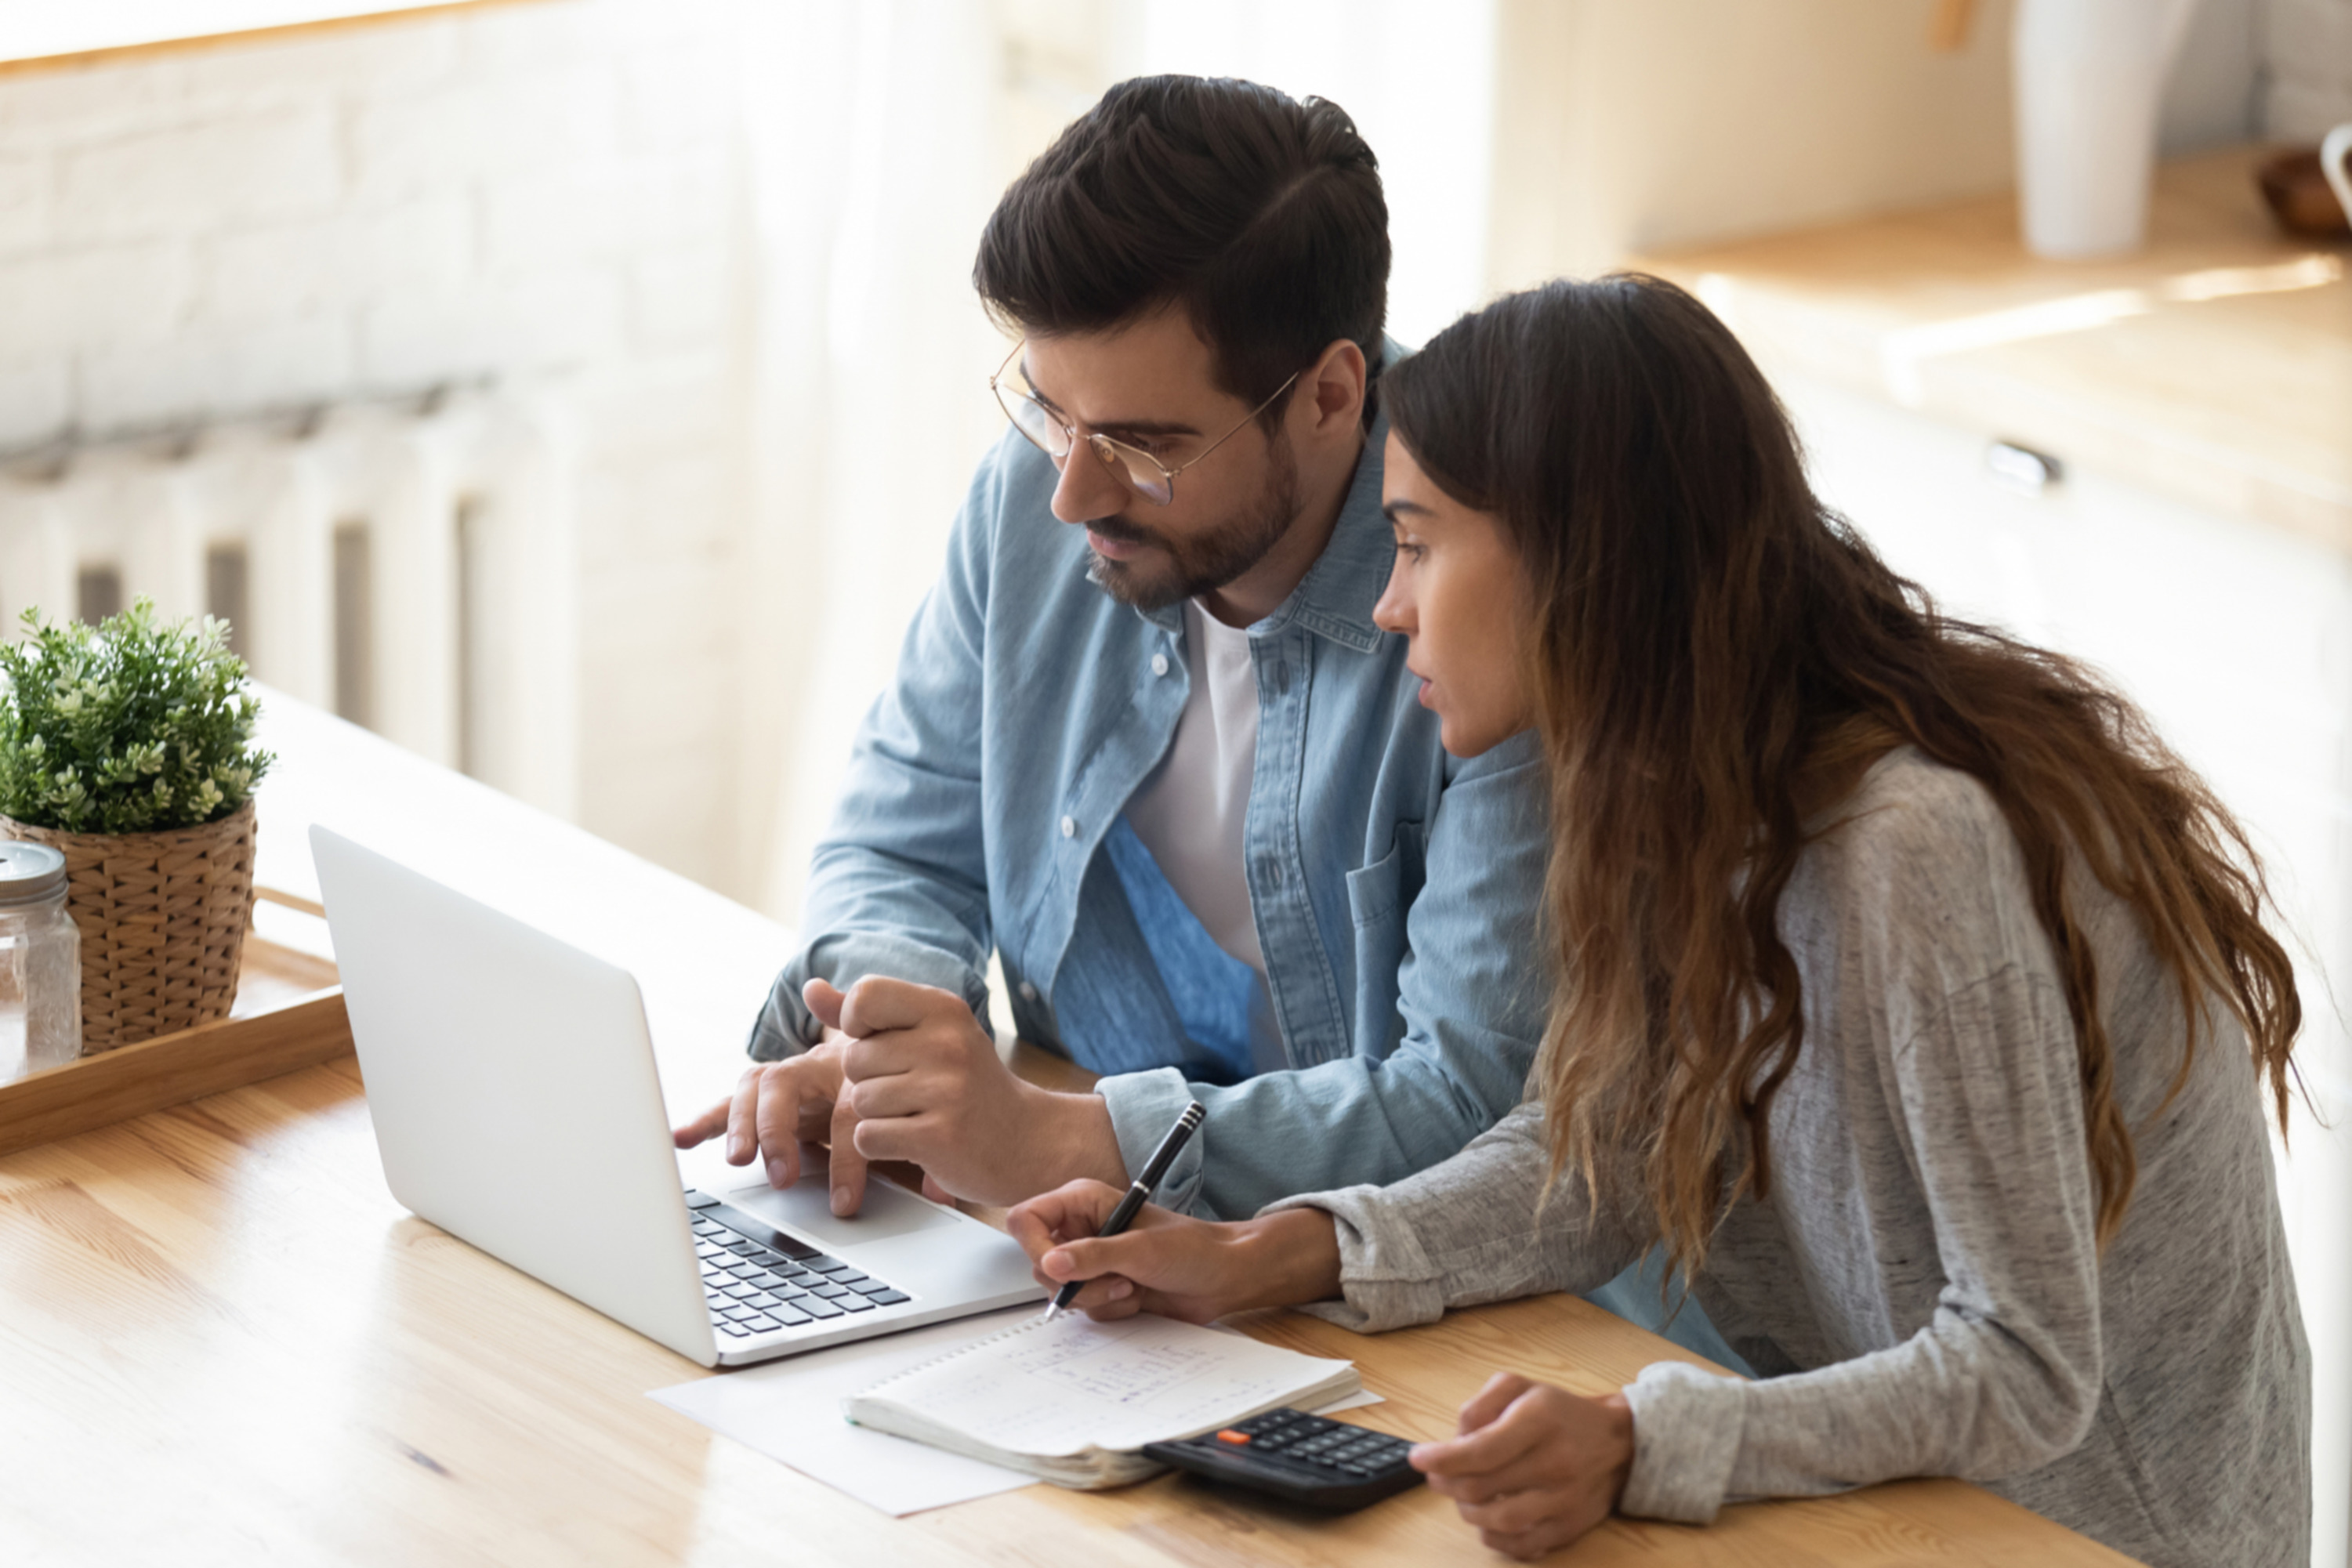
(1394, 886)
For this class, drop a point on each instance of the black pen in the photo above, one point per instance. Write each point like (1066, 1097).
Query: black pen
(1137, 1194)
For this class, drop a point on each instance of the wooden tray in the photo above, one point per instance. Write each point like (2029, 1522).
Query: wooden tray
(289, 1014)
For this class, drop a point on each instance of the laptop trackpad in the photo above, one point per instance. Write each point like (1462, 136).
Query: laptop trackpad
(806, 1208)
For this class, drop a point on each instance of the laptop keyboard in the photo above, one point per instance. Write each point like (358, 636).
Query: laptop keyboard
(757, 1277)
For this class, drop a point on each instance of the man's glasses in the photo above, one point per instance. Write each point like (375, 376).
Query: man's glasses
(1150, 478)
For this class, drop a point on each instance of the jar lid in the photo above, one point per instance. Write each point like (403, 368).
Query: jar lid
(29, 871)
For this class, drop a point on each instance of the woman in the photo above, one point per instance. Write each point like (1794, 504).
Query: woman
(1909, 993)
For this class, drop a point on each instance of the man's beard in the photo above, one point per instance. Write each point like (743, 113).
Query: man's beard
(1201, 565)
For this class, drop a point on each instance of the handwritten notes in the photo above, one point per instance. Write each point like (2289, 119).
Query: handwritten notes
(1072, 1399)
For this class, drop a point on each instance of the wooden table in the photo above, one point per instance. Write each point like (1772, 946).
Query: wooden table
(221, 1341)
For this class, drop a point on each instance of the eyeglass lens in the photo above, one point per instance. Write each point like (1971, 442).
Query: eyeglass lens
(1053, 438)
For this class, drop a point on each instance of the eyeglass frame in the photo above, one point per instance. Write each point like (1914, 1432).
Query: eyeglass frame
(1106, 447)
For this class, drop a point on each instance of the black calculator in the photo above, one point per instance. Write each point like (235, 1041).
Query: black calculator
(1305, 1459)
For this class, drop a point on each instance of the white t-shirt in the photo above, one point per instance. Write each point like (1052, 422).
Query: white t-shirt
(1193, 812)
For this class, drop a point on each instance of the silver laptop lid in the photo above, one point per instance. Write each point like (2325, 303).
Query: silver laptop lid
(512, 1084)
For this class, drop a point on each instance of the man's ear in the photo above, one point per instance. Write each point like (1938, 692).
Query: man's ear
(1335, 389)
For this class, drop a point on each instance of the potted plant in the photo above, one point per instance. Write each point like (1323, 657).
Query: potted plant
(128, 748)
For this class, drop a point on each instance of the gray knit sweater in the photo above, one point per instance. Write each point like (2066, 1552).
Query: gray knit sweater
(1921, 1293)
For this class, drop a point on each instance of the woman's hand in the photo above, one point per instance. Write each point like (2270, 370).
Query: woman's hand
(1535, 1466)
(1195, 1270)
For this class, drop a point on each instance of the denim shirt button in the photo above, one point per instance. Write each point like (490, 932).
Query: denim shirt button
(1069, 827)
(1158, 664)
(1028, 990)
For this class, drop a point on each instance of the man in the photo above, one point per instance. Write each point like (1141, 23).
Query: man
(1145, 742)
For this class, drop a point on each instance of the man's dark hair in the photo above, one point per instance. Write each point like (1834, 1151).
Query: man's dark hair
(1259, 215)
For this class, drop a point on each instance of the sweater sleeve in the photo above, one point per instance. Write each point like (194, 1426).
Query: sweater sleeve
(2006, 1376)
(1474, 1228)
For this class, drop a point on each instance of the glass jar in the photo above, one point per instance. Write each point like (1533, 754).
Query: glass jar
(40, 963)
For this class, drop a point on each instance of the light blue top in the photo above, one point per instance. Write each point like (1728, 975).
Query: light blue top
(1394, 886)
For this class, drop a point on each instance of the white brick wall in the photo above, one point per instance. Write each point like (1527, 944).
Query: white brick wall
(544, 191)
(2307, 53)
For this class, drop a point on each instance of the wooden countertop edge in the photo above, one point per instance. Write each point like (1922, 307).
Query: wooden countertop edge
(1816, 338)
(1869, 306)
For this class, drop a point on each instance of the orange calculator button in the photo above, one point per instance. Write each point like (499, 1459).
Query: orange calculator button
(1229, 1436)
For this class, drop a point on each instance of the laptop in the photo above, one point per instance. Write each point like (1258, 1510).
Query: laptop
(512, 1081)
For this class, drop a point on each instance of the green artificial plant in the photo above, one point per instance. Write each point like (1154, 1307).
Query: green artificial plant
(127, 727)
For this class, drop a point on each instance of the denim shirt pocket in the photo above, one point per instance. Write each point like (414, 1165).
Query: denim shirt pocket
(1380, 897)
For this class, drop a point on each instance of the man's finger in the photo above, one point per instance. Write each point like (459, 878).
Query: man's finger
(896, 1094)
(934, 1191)
(893, 1053)
(822, 999)
(743, 1119)
(705, 1127)
(848, 1165)
(918, 1139)
(877, 1003)
(782, 1090)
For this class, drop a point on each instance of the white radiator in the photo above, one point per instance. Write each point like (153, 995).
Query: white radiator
(408, 565)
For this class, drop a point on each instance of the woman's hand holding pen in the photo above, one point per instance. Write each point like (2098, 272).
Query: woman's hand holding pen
(1194, 1269)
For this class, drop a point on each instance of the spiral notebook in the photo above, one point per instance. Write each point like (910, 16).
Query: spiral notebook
(1071, 1400)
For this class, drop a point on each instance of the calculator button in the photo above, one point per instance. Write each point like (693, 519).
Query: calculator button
(1229, 1436)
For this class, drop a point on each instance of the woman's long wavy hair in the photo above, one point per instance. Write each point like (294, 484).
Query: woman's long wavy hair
(1714, 658)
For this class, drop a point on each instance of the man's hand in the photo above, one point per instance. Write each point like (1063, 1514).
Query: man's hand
(1535, 1466)
(1196, 1269)
(776, 1107)
(922, 1082)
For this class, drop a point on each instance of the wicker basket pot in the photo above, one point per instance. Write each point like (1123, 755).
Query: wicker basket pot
(163, 917)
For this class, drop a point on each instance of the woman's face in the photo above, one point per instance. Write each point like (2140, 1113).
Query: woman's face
(1456, 592)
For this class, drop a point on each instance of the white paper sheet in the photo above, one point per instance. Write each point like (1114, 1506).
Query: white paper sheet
(791, 1411)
